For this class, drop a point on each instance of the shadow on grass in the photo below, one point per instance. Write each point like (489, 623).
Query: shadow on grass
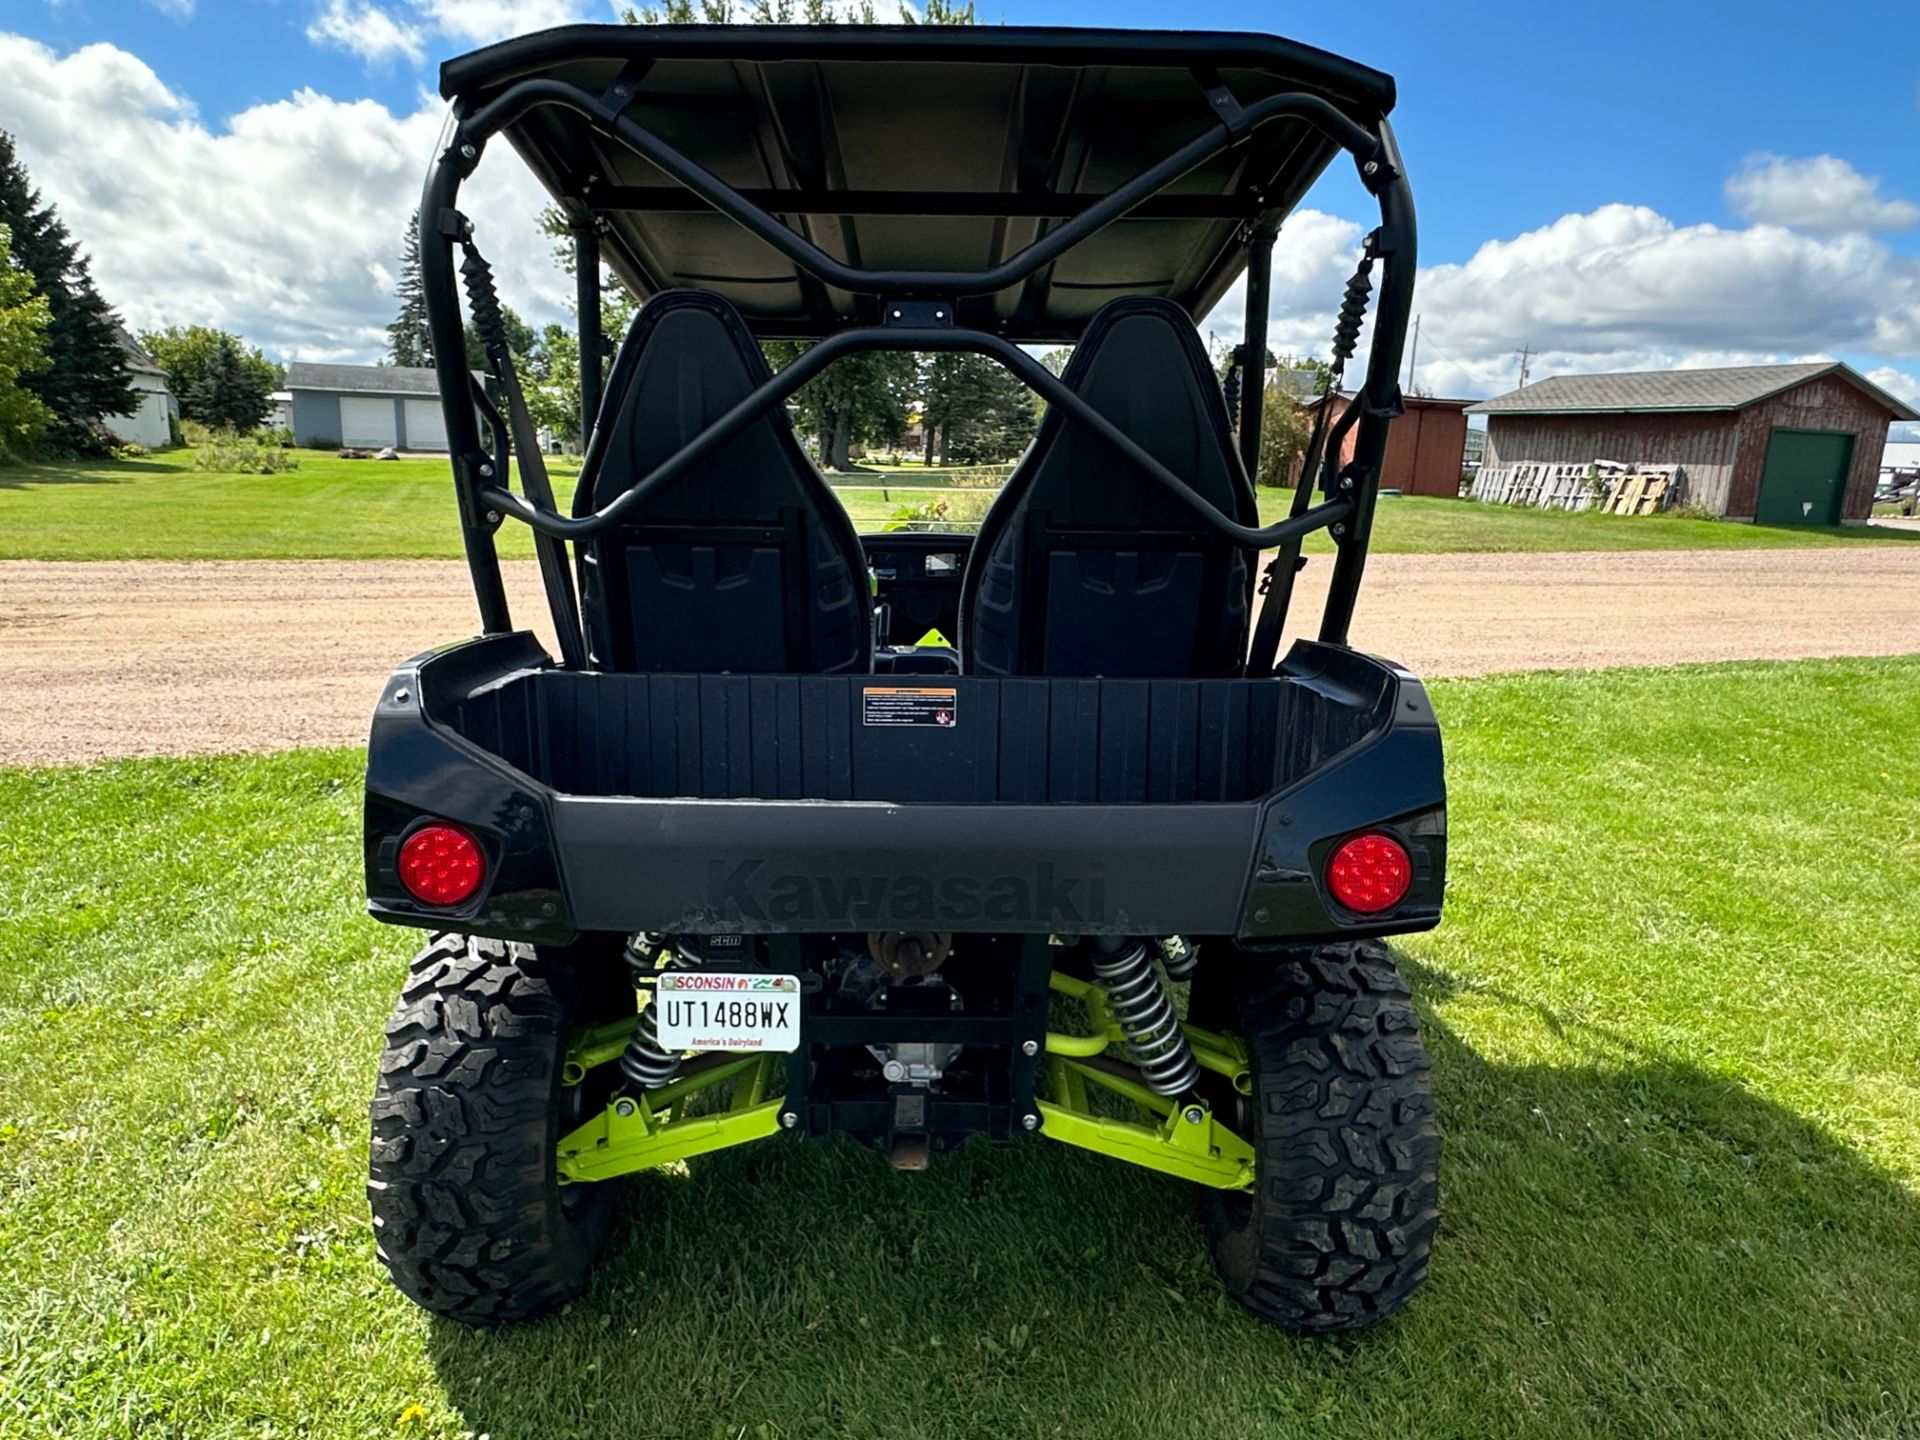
(91, 472)
(1630, 1246)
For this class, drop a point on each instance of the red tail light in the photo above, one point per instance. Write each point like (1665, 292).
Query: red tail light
(1370, 873)
(441, 865)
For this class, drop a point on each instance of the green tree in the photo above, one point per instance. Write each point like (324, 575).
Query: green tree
(218, 379)
(24, 317)
(227, 394)
(552, 378)
(85, 377)
(862, 398)
(974, 410)
(408, 342)
(1285, 425)
(523, 344)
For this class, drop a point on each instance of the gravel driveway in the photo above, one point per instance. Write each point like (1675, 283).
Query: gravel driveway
(152, 657)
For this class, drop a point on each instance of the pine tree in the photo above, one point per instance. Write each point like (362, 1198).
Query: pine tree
(408, 340)
(86, 374)
(218, 380)
(210, 396)
(980, 411)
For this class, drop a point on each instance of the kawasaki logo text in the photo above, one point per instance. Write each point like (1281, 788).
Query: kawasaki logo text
(749, 890)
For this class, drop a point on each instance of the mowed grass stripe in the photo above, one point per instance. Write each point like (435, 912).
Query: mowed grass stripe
(160, 509)
(1671, 1010)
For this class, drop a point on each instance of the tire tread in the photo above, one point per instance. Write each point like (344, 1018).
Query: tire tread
(1341, 1223)
(466, 1205)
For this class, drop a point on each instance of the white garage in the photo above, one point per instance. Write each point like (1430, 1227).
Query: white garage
(426, 426)
(366, 407)
(367, 422)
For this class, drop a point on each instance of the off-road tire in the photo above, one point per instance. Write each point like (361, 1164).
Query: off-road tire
(468, 1212)
(1336, 1232)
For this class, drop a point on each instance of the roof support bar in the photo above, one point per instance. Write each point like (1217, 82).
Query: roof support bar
(518, 99)
(1253, 370)
(1347, 510)
(922, 204)
(586, 281)
(896, 337)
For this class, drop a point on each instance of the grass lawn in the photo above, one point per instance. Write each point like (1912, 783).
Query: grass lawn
(331, 508)
(1672, 1015)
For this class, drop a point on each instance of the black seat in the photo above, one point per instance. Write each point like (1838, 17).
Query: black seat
(743, 563)
(1086, 565)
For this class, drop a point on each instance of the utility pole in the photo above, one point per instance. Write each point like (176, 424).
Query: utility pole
(1413, 355)
(1525, 354)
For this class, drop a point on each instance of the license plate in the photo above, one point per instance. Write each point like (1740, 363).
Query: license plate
(716, 1010)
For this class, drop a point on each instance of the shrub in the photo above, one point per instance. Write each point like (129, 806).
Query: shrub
(229, 454)
(132, 450)
(279, 435)
(962, 511)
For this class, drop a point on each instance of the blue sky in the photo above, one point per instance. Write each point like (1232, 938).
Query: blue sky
(1593, 144)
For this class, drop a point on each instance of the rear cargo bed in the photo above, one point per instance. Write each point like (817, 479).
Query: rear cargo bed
(615, 801)
(917, 739)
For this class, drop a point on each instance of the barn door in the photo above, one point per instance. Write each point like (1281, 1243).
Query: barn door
(1805, 479)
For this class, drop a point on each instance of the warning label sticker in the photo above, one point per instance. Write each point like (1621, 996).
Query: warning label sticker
(907, 705)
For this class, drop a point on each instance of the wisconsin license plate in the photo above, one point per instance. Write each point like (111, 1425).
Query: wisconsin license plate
(715, 1010)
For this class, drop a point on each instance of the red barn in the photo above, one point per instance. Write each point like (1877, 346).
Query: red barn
(1780, 444)
(1425, 448)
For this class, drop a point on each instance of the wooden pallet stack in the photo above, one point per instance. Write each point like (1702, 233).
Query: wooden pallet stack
(1609, 486)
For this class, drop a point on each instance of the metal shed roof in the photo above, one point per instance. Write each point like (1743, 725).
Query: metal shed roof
(363, 379)
(1412, 402)
(139, 362)
(1734, 388)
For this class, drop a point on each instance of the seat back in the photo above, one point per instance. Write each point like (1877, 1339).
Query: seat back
(1085, 565)
(745, 562)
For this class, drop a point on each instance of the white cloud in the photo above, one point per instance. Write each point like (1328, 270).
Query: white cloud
(480, 22)
(1897, 383)
(1624, 279)
(283, 224)
(1820, 192)
(1904, 386)
(178, 9)
(375, 35)
(1620, 288)
(404, 29)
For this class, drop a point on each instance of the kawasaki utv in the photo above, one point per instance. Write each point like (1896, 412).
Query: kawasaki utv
(748, 861)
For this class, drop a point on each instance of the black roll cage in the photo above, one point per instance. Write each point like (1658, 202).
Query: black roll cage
(917, 310)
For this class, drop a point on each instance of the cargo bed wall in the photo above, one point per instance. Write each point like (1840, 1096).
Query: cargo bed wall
(951, 740)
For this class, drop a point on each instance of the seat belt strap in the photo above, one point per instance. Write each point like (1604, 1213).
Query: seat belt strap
(555, 576)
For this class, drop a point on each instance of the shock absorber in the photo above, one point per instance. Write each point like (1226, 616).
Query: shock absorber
(1145, 1014)
(1179, 956)
(645, 1061)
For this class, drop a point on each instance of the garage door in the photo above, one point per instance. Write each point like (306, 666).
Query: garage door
(426, 426)
(366, 424)
(1805, 479)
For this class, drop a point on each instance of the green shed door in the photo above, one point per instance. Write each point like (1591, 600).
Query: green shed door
(1805, 479)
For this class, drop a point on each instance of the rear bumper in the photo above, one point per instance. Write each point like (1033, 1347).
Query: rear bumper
(563, 862)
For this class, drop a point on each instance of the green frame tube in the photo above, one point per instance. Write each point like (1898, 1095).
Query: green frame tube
(644, 1132)
(635, 1132)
